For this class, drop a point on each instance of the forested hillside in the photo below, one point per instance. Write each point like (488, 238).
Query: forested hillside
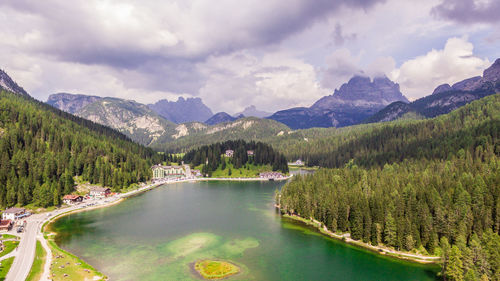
(211, 156)
(377, 144)
(42, 149)
(430, 186)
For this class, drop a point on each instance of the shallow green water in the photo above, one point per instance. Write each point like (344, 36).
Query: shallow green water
(156, 235)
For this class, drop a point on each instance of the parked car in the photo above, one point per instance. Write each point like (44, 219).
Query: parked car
(20, 229)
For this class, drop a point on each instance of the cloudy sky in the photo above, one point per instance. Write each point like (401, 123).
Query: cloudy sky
(274, 54)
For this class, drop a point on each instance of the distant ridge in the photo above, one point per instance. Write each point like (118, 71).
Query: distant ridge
(182, 110)
(445, 98)
(10, 85)
(220, 117)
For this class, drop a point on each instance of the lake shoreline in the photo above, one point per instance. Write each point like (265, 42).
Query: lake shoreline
(379, 250)
(50, 220)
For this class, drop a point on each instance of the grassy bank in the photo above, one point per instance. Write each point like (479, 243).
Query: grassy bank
(9, 246)
(247, 171)
(344, 237)
(66, 266)
(5, 267)
(38, 263)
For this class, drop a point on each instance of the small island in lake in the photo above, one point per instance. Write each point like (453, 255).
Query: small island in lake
(215, 269)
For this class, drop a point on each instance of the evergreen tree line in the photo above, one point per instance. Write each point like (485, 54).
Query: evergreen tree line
(42, 149)
(376, 144)
(426, 206)
(212, 156)
(437, 192)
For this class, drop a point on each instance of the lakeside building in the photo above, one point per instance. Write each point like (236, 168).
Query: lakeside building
(161, 172)
(72, 199)
(5, 225)
(99, 192)
(14, 214)
(229, 153)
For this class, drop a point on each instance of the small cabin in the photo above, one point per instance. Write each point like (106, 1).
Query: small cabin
(5, 225)
(72, 199)
(250, 152)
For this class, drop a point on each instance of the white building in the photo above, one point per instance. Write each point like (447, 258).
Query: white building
(161, 172)
(99, 192)
(14, 214)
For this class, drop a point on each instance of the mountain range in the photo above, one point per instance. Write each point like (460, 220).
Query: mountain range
(445, 98)
(360, 100)
(352, 103)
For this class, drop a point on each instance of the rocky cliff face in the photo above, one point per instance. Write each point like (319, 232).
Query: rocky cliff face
(492, 73)
(362, 92)
(69, 102)
(446, 98)
(182, 110)
(129, 117)
(8, 84)
(352, 103)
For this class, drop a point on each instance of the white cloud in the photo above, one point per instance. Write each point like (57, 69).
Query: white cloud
(456, 61)
(272, 82)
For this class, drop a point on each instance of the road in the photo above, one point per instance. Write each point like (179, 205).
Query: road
(25, 251)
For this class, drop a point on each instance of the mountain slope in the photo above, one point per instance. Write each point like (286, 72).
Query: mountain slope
(191, 135)
(7, 84)
(352, 103)
(373, 144)
(182, 110)
(133, 119)
(70, 102)
(446, 98)
(42, 148)
(220, 117)
(421, 187)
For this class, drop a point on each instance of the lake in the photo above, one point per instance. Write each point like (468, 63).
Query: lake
(158, 234)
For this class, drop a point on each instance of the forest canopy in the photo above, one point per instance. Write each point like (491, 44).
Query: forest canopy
(212, 156)
(431, 187)
(42, 149)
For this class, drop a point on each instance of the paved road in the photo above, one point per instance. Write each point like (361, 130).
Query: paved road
(25, 251)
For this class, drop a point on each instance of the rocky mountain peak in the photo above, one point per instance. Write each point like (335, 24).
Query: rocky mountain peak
(183, 110)
(252, 110)
(467, 84)
(361, 91)
(492, 73)
(220, 117)
(8, 84)
(442, 88)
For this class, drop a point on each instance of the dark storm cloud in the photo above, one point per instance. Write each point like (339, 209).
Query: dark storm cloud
(468, 11)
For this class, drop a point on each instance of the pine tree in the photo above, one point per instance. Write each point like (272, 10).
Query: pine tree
(454, 270)
(390, 231)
